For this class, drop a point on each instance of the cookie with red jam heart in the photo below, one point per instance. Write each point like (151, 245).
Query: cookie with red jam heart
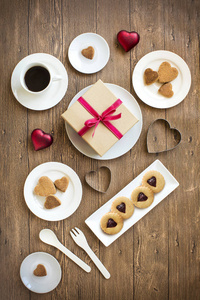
(111, 223)
(154, 180)
(142, 197)
(123, 206)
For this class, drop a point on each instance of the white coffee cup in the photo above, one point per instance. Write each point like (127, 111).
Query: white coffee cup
(45, 82)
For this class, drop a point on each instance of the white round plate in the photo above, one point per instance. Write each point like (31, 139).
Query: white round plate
(49, 98)
(83, 64)
(149, 93)
(70, 200)
(43, 284)
(126, 142)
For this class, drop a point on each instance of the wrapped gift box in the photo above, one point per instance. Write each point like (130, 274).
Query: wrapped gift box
(101, 138)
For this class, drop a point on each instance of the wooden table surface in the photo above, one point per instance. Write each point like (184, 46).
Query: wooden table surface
(157, 258)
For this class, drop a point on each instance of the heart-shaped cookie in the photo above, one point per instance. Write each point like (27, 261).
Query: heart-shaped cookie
(40, 270)
(150, 76)
(161, 137)
(88, 52)
(99, 180)
(45, 187)
(62, 184)
(166, 73)
(166, 90)
(51, 202)
(41, 139)
(128, 40)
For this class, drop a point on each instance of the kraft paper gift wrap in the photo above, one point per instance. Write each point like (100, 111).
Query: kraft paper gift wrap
(100, 98)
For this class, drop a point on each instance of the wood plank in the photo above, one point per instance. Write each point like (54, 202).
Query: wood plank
(183, 207)
(13, 152)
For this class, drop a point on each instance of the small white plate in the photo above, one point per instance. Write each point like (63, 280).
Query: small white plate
(126, 142)
(49, 98)
(94, 220)
(70, 200)
(83, 64)
(43, 284)
(149, 93)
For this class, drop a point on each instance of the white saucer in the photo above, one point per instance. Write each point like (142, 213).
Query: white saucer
(43, 284)
(49, 98)
(126, 142)
(149, 93)
(83, 64)
(70, 200)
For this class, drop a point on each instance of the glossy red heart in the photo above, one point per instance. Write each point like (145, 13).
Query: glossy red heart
(128, 40)
(41, 139)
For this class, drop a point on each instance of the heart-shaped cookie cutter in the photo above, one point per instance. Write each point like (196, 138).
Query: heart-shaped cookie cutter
(89, 179)
(171, 128)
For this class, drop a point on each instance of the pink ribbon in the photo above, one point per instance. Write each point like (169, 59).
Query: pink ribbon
(105, 118)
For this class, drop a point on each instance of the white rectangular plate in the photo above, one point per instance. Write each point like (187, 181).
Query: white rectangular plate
(94, 220)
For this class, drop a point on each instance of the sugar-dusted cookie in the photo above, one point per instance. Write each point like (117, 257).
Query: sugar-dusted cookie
(62, 184)
(51, 202)
(111, 223)
(44, 187)
(123, 206)
(150, 76)
(40, 270)
(166, 90)
(142, 196)
(153, 180)
(88, 52)
(166, 73)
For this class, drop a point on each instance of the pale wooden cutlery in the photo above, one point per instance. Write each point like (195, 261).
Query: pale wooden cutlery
(80, 239)
(49, 237)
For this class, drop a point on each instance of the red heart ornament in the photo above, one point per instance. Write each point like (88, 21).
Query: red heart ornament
(41, 139)
(128, 40)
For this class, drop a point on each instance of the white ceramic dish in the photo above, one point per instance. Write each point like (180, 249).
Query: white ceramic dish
(47, 99)
(83, 64)
(43, 284)
(70, 200)
(149, 93)
(94, 220)
(126, 142)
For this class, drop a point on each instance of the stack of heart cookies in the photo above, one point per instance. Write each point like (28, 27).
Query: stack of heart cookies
(165, 75)
(47, 188)
(142, 196)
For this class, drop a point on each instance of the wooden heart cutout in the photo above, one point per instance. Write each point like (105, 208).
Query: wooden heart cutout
(99, 180)
(162, 137)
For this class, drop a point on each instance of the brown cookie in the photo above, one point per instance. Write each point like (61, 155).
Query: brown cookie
(166, 73)
(142, 197)
(88, 52)
(150, 76)
(123, 206)
(45, 187)
(62, 183)
(154, 181)
(40, 270)
(111, 223)
(51, 202)
(166, 90)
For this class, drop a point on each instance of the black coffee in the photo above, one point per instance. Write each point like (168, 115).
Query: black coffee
(37, 78)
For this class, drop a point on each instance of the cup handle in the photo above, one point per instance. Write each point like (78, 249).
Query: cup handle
(56, 77)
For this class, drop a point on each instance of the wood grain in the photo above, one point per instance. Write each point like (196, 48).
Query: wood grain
(158, 258)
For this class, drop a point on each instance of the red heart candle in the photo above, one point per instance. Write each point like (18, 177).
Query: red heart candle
(128, 40)
(41, 139)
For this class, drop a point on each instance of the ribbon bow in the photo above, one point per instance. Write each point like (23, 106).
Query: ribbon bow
(105, 118)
